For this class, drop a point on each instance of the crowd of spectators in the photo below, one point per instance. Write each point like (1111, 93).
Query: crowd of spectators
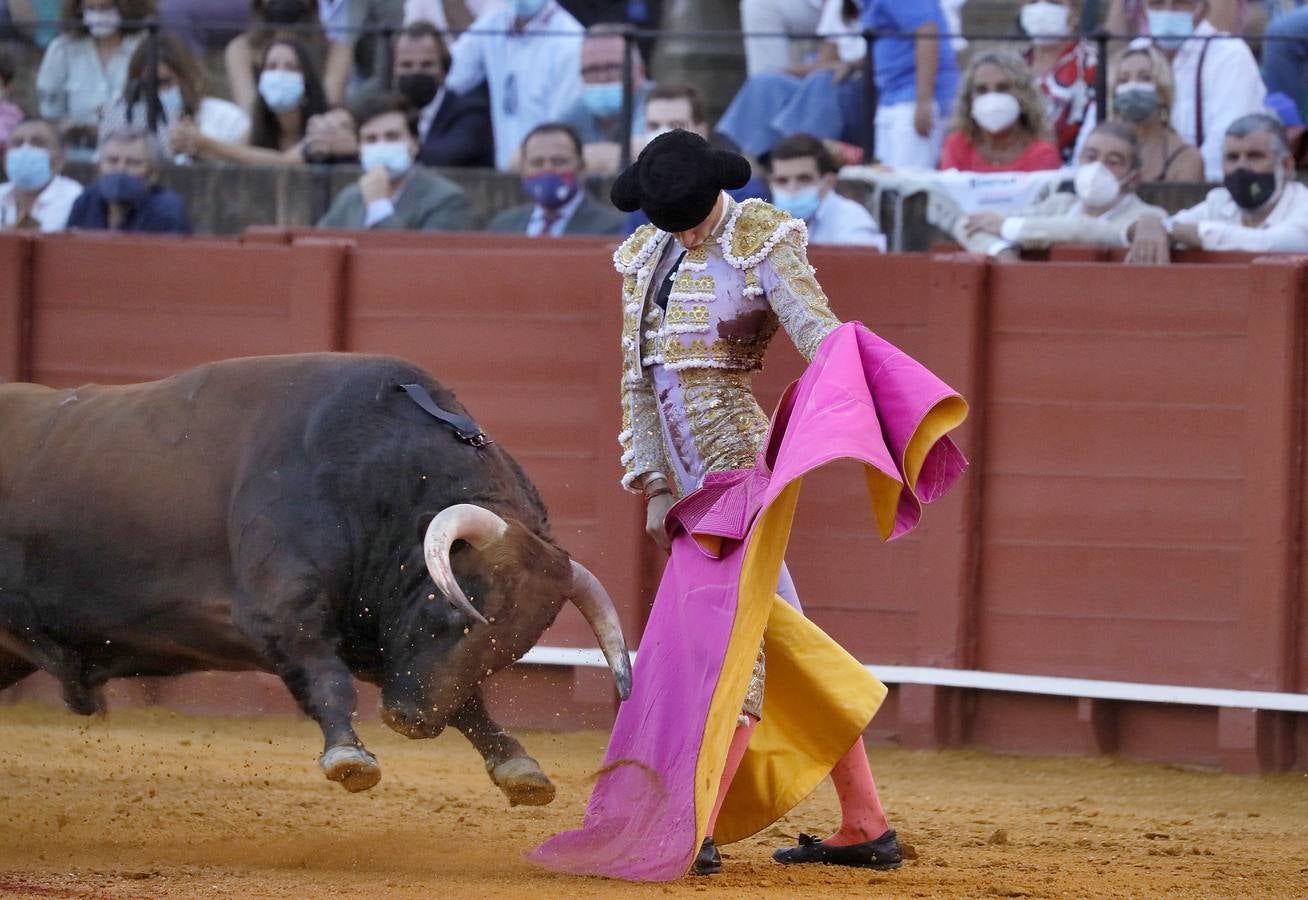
(540, 88)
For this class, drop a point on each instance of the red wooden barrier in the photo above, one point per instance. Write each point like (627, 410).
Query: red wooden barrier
(15, 305)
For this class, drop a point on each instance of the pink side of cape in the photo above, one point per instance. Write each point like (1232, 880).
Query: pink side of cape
(860, 398)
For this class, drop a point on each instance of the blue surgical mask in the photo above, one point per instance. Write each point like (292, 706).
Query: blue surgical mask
(394, 155)
(119, 187)
(801, 204)
(1170, 27)
(603, 100)
(527, 9)
(551, 190)
(170, 98)
(282, 90)
(28, 167)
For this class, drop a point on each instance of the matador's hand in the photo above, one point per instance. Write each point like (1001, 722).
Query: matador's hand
(656, 510)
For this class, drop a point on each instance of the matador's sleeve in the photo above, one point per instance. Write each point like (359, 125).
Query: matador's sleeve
(641, 437)
(795, 295)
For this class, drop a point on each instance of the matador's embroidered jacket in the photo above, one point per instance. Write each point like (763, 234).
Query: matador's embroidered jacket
(688, 407)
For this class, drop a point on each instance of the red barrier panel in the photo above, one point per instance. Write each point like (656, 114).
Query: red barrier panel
(15, 305)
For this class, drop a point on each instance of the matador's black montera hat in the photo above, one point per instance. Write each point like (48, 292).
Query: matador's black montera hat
(676, 180)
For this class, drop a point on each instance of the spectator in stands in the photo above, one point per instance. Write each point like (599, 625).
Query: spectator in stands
(1064, 67)
(762, 20)
(290, 94)
(127, 195)
(1142, 90)
(552, 176)
(180, 81)
(597, 115)
(205, 24)
(802, 175)
(85, 68)
(1099, 211)
(453, 129)
(36, 196)
(1260, 208)
(999, 120)
(915, 77)
(528, 53)
(332, 138)
(37, 19)
(284, 20)
(10, 112)
(1217, 81)
(824, 98)
(672, 106)
(393, 192)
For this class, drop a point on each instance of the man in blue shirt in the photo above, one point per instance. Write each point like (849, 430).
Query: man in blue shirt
(916, 79)
(126, 196)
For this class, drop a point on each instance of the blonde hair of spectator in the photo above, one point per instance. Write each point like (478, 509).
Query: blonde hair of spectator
(130, 134)
(1032, 117)
(135, 13)
(1161, 71)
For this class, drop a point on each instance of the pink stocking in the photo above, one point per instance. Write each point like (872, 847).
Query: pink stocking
(861, 816)
(735, 753)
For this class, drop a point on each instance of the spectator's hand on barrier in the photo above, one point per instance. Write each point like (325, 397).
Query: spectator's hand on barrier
(184, 137)
(924, 115)
(331, 134)
(375, 184)
(1008, 255)
(656, 511)
(1150, 245)
(985, 222)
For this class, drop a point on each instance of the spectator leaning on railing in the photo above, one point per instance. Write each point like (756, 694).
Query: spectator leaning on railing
(394, 193)
(999, 119)
(552, 176)
(1104, 203)
(529, 54)
(802, 175)
(127, 196)
(1260, 209)
(1142, 90)
(36, 196)
(453, 129)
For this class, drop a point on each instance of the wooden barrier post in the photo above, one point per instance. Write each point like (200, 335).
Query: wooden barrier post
(317, 294)
(931, 715)
(15, 306)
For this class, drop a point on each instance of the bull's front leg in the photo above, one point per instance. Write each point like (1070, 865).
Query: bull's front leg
(294, 635)
(513, 771)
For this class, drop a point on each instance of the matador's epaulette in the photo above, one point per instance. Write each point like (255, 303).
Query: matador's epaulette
(754, 229)
(633, 252)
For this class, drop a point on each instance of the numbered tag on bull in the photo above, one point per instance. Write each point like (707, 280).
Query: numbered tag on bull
(463, 426)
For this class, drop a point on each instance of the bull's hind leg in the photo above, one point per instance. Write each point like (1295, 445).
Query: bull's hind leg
(296, 638)
(513, 771)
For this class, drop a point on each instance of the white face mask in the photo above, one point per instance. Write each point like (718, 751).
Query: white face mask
(1044, 22)
(102, 22)
(995, 111)
(1095, 186)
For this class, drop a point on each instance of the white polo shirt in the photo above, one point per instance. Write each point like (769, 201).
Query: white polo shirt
(51, 207)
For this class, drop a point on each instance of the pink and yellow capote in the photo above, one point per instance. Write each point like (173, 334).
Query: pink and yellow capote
(861, 398)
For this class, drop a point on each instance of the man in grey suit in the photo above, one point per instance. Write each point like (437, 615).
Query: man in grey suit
(393, 192)
(552, 173)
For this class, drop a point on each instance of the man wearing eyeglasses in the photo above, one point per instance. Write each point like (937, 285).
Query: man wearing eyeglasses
(597, 116)
(528, 53)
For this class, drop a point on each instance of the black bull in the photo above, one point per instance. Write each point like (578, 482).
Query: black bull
(268, 514)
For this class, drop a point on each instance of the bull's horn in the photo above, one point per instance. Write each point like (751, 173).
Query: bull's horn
(464, 521)
(596, 605)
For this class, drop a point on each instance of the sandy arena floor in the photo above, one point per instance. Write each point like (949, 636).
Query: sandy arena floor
(152, 804)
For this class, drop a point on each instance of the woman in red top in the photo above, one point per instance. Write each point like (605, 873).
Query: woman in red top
(1064, 69)
(999, 120)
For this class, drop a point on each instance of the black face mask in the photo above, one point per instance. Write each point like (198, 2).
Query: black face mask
(284, 12)
(418, 87)
(1250, 189)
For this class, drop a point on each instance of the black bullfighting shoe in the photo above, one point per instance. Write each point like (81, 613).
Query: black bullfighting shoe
(708, 861)
(883, 853)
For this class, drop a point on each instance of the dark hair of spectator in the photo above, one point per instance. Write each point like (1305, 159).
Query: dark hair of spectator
(134, 13)
(176, 55)
(380, 103)
(1253, 123)
(1126, 133)
(421, 30)
(680, 92)
(265, 129)
(555, 128)
(8, 65)
(798, 146)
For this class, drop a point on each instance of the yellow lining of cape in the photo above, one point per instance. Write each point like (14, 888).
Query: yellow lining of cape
(817, 701)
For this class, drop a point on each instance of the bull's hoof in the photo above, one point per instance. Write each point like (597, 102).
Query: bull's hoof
(355, 768)
(523, 782)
